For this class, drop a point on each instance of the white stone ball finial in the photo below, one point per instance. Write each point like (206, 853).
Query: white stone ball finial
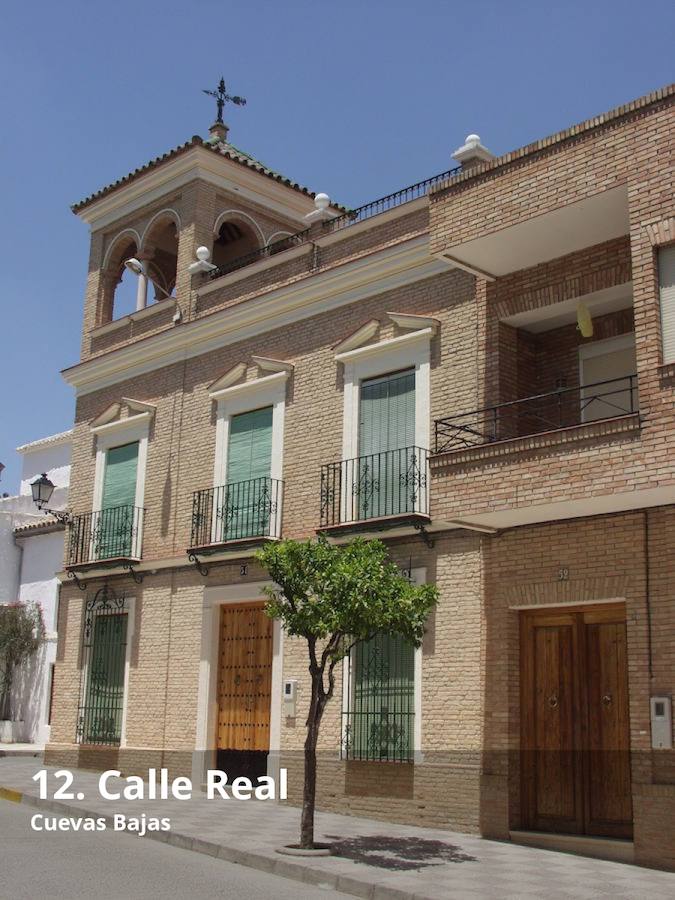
(322, 201)
(472, 140)
(203, 254)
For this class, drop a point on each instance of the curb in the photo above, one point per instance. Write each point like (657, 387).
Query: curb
(297, 871)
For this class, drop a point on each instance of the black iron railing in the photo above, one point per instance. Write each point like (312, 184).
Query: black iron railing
(390, 201)
(351, 217)
(562, 408)
(293, 240)
(104, 645)
(235, 512)
(391, 483)
(115, 533)
(378, 702)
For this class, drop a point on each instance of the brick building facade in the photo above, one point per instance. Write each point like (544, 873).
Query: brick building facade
(529, 476)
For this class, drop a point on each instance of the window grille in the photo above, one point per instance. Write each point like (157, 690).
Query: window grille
(378, 711)
(104, 645)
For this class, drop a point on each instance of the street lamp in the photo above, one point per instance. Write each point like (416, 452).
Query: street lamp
(42, 489)
(136, 266)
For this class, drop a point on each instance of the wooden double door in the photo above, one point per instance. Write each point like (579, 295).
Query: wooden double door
(575, 738)
(244, 690)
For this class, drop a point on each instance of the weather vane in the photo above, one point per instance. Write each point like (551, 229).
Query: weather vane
(222, 97)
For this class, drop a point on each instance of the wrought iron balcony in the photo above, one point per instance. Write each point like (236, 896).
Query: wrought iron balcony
(109, 534)
(393, 483)
(242, 511)
(563, 408)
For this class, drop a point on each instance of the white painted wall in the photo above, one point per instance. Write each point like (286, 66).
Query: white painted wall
(28, 567)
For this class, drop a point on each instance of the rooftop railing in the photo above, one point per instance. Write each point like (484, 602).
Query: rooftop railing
(350, 217)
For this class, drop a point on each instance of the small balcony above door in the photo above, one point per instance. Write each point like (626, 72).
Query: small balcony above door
(244, 513)
(376, 492)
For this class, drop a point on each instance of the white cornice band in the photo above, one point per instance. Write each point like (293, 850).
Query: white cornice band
(370, 275)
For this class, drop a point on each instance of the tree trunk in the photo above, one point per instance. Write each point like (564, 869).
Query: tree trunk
(309, 792)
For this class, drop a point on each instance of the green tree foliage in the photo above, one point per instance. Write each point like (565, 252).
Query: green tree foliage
(21, 633)
(334, 597)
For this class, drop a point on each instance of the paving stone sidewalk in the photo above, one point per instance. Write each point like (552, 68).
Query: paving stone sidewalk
(371, 859)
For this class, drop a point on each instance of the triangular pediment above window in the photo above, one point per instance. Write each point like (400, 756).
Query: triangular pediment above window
(358, 338)
(123, 411)
(232, 376)
(413, 322)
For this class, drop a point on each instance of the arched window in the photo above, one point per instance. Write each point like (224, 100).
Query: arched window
(234, 238)
(159, 255)
(119, 286)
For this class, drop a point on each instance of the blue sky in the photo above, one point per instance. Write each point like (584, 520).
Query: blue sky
(355, 99)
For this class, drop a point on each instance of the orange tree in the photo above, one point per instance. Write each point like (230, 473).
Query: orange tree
(334, 597)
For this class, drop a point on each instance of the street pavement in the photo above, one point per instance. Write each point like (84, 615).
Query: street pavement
(116, 866)
(370, 859)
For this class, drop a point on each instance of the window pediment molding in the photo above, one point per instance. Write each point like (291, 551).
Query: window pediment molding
(249, 389)
(359, 337)
(414, 322)
(422, 335)
(109, 420)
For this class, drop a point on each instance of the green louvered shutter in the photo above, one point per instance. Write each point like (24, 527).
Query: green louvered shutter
(246, 510)
(118, 501)
(386, 431)
(383, 699)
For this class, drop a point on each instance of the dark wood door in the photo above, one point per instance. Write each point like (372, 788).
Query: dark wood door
(575, 745)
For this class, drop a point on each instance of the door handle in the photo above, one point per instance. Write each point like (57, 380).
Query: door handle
(607, 699)
(553, 701)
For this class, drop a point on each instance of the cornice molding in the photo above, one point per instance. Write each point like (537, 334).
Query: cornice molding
(373, 274)
(232, 376)
(414, 322)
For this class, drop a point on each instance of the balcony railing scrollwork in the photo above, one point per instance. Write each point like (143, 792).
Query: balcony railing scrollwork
(114, 533)
(376, 486)
(241, 511)
(563, 408)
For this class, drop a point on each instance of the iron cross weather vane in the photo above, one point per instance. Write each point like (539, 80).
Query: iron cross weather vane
(222, 97)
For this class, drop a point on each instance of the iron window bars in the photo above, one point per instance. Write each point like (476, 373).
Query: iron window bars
(378, 708)
(562, 408)
(104, 647)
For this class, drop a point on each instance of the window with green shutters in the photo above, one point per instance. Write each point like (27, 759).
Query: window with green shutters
(115, 531)
(379, 713)
(386, 445)
(245, 511)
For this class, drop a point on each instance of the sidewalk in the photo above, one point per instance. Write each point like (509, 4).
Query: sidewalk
(371, 859)
(17, 749)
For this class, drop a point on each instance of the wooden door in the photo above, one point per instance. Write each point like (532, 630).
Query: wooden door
(244, 679)
(575, 743)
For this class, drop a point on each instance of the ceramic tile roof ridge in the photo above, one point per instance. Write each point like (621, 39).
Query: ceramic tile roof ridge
(557, 137)
(60, 438)
(49, 523)
(223, 148)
